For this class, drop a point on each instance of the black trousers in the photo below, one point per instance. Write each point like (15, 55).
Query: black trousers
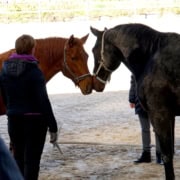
(146, 133)
(27, 135)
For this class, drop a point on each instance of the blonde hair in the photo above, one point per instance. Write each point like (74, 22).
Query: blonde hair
(24, 44)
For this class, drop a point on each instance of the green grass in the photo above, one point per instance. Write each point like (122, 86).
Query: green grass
(48, 11)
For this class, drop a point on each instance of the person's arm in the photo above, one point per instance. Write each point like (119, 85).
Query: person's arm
(47, 108)
(40, 91)
(8, 167)
(132, 92)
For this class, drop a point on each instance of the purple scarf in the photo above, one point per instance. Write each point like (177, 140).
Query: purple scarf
(28, 57)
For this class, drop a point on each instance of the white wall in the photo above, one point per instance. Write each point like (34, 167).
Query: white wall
(60, 84)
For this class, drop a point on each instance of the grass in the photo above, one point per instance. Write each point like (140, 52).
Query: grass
(49, 11)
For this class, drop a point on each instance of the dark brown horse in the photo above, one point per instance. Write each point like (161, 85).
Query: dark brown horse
(57, 54)
(154, 59)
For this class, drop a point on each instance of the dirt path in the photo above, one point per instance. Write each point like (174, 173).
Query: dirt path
(100, 138)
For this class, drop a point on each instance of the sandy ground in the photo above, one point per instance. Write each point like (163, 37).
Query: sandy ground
(100, 137)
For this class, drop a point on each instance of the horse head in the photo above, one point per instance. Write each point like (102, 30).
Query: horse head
(75, 63)
(105, 59)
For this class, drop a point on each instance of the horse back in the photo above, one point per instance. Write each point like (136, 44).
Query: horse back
(160, 83)
(161, 86)
(5, 55)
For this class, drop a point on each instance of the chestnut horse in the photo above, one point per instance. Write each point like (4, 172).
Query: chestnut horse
(154, 59)
(57, 54)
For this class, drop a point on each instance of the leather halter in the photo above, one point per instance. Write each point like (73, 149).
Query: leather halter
(76, 79)
(102, 63)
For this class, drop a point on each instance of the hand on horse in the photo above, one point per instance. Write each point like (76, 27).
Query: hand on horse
(53, 137)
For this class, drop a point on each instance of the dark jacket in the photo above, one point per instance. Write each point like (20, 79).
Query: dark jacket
(24, 90)
(133, 98)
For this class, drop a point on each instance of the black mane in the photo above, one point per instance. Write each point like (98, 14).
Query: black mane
(147, 37)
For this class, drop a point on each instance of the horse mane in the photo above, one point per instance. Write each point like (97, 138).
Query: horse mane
(51, 42)
(141, 31)
(147, 37)
(50, 47)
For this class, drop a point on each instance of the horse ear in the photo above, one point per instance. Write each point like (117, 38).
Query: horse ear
(83, 39)
(71, 41)
(96, 32)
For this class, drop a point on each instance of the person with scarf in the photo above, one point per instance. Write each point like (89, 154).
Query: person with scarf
(28, 107)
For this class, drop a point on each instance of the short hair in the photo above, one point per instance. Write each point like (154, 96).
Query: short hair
(24, 44)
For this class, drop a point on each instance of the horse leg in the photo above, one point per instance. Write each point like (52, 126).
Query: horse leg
(2, 112)
(167, 156)
(169, 169)
(173, 128)
(163, 125)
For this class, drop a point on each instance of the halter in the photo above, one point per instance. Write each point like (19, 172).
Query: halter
(102, 63)
(77, 79)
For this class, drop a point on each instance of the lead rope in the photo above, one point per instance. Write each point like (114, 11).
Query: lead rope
(56, 145)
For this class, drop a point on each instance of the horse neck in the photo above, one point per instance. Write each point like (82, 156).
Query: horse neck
(50, 54)
(135, 63)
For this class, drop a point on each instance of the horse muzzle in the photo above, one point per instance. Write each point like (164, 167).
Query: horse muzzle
(86, 85)
(98, 85)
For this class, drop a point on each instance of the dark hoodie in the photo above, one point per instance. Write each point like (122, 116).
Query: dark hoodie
(24, 89)
(133, 98)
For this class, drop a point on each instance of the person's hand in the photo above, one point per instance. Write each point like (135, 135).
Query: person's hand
(132, 105)
(53, 137)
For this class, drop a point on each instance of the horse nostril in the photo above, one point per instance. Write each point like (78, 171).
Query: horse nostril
(89, 89)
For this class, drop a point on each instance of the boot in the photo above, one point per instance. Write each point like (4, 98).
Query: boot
(159, 158)
(145, 157)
